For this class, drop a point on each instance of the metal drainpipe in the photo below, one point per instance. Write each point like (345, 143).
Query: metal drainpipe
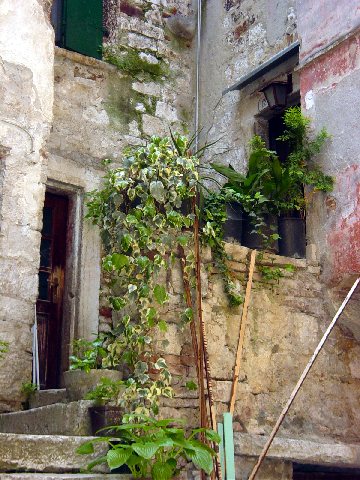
(197, 88)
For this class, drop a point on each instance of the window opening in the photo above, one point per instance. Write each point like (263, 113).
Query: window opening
(78, 26)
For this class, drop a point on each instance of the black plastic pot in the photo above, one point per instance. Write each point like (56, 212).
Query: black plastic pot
(253, 240)
(233, 225)
(104, 416)
(292, 232)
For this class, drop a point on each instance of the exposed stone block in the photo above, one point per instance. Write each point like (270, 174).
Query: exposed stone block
(44, 453)
(57, 419)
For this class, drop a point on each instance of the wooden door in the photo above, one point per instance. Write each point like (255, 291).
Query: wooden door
(49, 306)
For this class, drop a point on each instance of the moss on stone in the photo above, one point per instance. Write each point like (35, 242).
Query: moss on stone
(122, 101)
(118, 105)
(128, 60)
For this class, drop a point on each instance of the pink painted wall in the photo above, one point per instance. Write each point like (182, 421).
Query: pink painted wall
(329, 87)
(320, 22)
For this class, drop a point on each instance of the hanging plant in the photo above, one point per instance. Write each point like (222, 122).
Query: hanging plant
(141, 213)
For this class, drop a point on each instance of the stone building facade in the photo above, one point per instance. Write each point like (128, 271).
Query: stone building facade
(63, 113)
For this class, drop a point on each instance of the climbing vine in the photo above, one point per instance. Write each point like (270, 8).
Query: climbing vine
(142, 211)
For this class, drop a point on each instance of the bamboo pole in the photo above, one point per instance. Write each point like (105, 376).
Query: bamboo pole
(242, 333)
(301, 381)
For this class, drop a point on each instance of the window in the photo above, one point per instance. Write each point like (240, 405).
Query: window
(78, 25)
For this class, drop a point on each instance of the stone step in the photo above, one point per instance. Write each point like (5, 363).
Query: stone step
(46, 454)
(48, 397)
(57, 419)
(65, 476)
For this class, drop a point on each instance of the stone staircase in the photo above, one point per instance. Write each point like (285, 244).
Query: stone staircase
(41, 443)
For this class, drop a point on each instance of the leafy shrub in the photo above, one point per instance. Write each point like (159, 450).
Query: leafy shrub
(153, 448)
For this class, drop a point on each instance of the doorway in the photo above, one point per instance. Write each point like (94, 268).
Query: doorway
(49, 305)
(317, 472)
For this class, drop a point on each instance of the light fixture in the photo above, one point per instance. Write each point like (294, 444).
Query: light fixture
(275, 94)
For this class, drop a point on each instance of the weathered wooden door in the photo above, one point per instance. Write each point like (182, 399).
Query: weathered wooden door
(49, 305)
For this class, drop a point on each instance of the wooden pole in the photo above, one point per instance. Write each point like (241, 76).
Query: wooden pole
(203, 350)
(189, 304)
(203, 413)
(242, 334)
(301, 381)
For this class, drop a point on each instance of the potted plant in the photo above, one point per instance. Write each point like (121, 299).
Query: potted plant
(87, 366)
(304, 178)
(254, 192)
(271, 194)
(106, 411)
(28, 389)
(156, 449)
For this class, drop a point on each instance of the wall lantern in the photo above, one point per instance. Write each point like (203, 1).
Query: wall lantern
(275, 94)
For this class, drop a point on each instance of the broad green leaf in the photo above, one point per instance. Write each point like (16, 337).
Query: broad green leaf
(160, 294)
(157, 190)
(162, 471)
(119, 260)
(117, 457)
(160, 363)
(201, 458)
(146, 450)
(228, 172)
(150, 316)
(126, 241)
(85, 448)
(117, 302)
(183, 240)
(209, 434)
(93, 464)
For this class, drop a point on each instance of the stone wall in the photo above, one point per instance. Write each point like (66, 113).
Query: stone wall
(285, 323)
(26, 56)
(101, 108)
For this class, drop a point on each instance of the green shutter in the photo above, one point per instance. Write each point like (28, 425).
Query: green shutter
(83, 26)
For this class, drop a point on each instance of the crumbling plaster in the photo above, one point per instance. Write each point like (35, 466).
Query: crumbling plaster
(26, 49)
(329, 84)
(247, 33)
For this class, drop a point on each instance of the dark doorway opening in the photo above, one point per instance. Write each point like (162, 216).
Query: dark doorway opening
(317, 472)
(49, 306)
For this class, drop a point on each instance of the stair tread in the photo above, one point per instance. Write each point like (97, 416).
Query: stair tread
(57, 419)
(48, 397)
(45, 453)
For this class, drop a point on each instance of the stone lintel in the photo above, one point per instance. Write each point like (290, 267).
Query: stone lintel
(299, 450)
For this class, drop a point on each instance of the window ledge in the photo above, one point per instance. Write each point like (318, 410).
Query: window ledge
(83, 59)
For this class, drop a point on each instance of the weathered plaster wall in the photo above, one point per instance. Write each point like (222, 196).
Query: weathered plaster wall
(329, 82)
(323, 22)
(26, 56)
(100, 109)
(247, 34)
